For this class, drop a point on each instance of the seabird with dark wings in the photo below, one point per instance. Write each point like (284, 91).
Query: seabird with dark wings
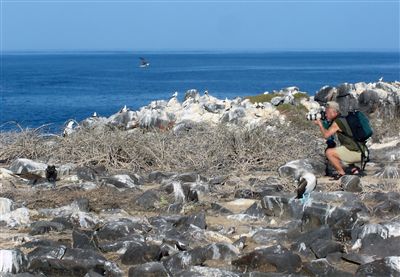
(143, 62)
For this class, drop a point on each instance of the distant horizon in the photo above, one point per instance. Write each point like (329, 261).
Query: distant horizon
(383, 50)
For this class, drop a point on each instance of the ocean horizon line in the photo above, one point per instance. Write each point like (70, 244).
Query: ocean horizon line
(193, 51)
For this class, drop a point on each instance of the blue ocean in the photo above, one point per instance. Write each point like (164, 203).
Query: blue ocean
(43, 88)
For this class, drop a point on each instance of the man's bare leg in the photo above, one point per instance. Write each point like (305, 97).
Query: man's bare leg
(333, 158)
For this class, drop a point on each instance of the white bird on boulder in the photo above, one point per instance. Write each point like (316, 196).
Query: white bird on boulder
(380, 79)
(124, 109)
(94, 114)
(175, 94)
(307, 183)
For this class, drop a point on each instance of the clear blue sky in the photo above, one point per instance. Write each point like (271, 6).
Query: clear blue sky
(110, 25)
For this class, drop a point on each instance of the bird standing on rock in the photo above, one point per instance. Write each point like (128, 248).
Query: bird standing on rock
(124, 109)
(175, 94)
(307, 183)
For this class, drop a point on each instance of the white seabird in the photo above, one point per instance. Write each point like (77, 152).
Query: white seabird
(206, 92)
(307, 183)
(124, 109)
(69, 128)
(94, 114)
(380, 79)
(175, 94)
(143, 63)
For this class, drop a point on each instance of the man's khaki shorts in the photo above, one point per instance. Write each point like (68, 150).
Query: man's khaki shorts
(348, 156)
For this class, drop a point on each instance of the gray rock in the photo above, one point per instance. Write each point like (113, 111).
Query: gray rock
(25, 166)
(282, 206)
(6, 205)
(295, 168)
(12, 261)
(322, 267)
(88, 173)
(123, 181)
(256, 210)
(277, 100)
(220, 209)
(158, 176)
(325, 94)
(71, 262)
(247, 194)
(198, 220)
(148, 199)
(184, 260)
(389, 266)
(390, 171)
(267, 236)
(358, 258)
(65, 169)
(189, 177)
(380, 247)
(323, 247)
(139, 254)
(234, 115)
(304, 240)
(120, 245)
(318, 214)
(120, 228)
(351, 183)
(84, 239)
(41, 227)
(198, 271)
(368, 101)
(151, 269)
(271, 259)
(345, 98)
(389, 206)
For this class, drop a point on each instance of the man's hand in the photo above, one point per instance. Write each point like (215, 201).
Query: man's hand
(318, 122)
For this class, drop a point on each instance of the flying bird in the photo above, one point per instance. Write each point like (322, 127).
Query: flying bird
(143, 62)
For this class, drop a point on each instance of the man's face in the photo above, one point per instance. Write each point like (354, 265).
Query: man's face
(331, 114)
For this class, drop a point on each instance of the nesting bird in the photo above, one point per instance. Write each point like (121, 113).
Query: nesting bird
(307, 183)
(69, 129)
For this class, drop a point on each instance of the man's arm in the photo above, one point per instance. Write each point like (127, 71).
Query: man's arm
(328, 132)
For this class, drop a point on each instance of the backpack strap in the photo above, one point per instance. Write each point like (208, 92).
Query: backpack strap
(348, 133)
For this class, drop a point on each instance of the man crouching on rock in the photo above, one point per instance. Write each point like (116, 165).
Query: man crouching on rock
(348, 151)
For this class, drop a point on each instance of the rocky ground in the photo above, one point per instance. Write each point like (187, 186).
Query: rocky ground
(98, 221)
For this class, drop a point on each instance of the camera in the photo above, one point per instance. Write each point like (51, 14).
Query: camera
(314, 115)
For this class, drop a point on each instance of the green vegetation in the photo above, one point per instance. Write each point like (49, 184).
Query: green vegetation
(300, 95)
(261, 98)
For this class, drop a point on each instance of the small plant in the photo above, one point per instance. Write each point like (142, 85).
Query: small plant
(261, 98)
